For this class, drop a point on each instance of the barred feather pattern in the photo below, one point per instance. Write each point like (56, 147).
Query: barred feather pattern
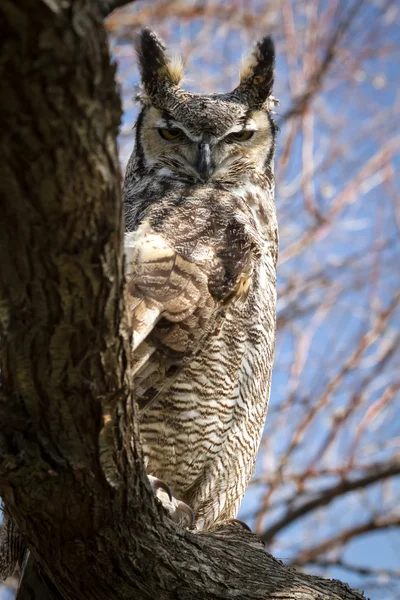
(204, 398)
(201, 251)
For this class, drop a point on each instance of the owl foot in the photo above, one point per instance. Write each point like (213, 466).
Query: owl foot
(179, 512)
(241, 523)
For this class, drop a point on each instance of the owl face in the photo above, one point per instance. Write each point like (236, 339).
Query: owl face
(217, 138)
(208, 140)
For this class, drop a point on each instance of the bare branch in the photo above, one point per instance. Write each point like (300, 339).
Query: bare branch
(301, 104)
(323, 498)
(360, 570)
(374, 524)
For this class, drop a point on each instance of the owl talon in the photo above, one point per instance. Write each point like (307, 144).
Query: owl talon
(241, 523)
(188, 512)
(158, 484)
(179, 512)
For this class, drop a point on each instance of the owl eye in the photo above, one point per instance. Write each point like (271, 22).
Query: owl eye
(241, 136)
(170, 134)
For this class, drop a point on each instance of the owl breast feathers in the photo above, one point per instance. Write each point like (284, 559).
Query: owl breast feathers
(201, 250)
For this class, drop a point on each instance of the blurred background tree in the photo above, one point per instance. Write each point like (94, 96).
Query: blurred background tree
(326, 493)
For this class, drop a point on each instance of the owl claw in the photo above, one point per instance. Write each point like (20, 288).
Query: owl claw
(179, 512)
(241, 523)
(187, 510)
(158, 484)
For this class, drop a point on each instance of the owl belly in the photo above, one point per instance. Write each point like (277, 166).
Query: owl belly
(201, 435)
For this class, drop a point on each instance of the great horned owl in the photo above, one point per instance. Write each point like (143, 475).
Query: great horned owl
(201, 250)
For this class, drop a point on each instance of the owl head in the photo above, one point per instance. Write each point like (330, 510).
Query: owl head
(204, 138)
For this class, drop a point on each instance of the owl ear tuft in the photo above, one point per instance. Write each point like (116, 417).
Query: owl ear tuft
(257, 74)
(156, 69)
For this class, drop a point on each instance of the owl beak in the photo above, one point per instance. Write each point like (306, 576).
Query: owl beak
(204, 161)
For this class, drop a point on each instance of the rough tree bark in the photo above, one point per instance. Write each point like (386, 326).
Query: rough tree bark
(70, 464)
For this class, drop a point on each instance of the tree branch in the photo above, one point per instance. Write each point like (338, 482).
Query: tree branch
(374, 524)
(106, 7)
(378, 473)
(301, 103)
(358, 569)
(35, 585)
(71, 472)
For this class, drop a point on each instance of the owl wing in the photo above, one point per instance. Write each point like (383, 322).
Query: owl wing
(177, 296)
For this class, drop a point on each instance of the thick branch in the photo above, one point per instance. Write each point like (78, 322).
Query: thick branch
(70, 468)
(35, 585)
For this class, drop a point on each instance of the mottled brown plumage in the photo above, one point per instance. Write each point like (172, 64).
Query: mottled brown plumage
(201, 250)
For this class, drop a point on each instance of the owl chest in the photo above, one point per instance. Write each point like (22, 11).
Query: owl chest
(218, 399)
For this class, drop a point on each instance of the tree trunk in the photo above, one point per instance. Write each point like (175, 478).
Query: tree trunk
(70, 464)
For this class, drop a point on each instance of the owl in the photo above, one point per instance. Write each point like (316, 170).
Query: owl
(201, 247)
